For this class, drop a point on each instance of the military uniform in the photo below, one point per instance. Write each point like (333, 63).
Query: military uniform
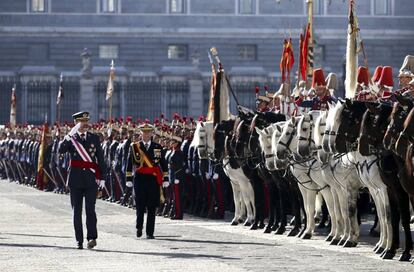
(144, 171)
(82, 177)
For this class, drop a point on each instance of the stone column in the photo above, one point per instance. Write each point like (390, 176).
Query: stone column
(195, 97)
(87, 98)
(88, 101)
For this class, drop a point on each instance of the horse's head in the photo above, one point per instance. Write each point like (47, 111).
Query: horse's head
(349, 126)
(203, 139)
(265, 140)
(406, 136)
(373, 127)
(318, 133)
(305, 126)
(287, 140)
(331, 121)
(399, 114)
(221, 130)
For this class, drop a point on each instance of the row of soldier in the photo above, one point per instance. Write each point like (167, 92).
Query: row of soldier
(186, 183)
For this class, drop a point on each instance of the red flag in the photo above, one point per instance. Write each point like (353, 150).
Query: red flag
(305, 52)
(290, 58)
(300, 75)
(283, 61)
(41, 178)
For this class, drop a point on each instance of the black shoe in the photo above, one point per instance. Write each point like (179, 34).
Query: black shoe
(150, 237)
(80, 245)
(139, 233)
(91, 244)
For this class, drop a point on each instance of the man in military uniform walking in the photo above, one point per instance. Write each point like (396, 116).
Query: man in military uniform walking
(87, 166)
(144, 170)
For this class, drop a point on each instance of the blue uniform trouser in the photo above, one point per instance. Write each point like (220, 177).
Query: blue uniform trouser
(76, 199)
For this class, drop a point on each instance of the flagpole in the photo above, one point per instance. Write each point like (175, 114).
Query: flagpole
(60, 101)
(309, 65)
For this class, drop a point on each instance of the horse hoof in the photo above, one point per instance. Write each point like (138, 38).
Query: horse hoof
(261, 225)
(240, 221)
(280, 230)
(293, 232)
(301, 233)
(234, 223)
(274, 227)
(253, 227)
(268, 229)
(379, 250)
(375, 248)
(388, 255)
(350, 244)
(405, 257)
(334, 242)
(247, 224)
(306, 236)
(329, 238)
(341, 242)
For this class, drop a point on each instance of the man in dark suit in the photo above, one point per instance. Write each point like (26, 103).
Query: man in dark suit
(87, 167)
(144, 173)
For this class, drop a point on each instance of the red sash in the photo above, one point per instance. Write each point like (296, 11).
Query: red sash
(88, 165)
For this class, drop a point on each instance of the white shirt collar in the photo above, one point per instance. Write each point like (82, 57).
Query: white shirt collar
(147, 143)
(79, 133)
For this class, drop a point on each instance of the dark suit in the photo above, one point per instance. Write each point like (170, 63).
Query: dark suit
(147, 189)
(82, 183)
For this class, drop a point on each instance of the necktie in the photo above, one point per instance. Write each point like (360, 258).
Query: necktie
(83, 137)
(146, 146)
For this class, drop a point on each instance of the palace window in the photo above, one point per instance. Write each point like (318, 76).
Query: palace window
(381, 7)
(177, 52)
(108, 51)
(38, 5)
(246, 6)
(317, 7)
(247, 52)
(176, 6)
(109, 6)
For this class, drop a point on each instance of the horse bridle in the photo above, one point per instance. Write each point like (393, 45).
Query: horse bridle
(287, 144)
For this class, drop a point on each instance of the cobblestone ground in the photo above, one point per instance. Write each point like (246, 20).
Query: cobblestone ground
(36, 234)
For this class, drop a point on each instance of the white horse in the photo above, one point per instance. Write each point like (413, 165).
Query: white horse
(303, 171)
(243, 194)
(369, 175)
(306, 145)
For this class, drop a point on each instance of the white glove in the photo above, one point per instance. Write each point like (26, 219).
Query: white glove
(102, 184)
(165, 184)
(74, 129)
(67, 138)
(208, 176)
(187, 171)
(176, 181)
(129, 184)
(215, 176)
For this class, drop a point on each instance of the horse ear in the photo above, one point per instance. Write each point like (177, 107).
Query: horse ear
(258, 130)
(348, 102)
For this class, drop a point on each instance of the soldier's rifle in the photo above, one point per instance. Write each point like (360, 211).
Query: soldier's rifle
(50, 177)
(118, 180)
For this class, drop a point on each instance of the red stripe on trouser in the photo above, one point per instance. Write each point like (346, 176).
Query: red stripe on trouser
(220, 197)
(267, 199)
(177, 200)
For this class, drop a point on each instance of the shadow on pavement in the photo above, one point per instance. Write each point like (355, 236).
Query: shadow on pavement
(35, 235)
(163, 254)
(215, 242)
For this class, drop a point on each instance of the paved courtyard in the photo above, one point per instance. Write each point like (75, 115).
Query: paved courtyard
(36, 234)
